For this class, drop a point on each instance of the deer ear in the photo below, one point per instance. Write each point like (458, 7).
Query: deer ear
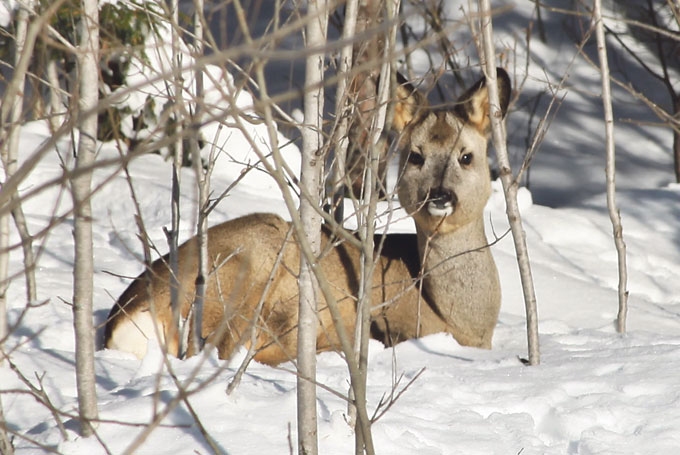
(473, 105)
(409, 102)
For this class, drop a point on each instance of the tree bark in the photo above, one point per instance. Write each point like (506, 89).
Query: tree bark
(4, 278)
(9, 154)
(610, 168)
(310, 183)
(203, 183)
(88, 91)
(375, 149)
(10, 162)
(509, 183)
(676, 139)
(343, 112)
(6, 447)
(363, 89)
(173, 233)
(57, 111)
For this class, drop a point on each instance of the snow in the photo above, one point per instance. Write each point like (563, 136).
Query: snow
(595, 392)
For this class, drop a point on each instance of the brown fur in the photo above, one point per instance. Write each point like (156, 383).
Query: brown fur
(443, 279)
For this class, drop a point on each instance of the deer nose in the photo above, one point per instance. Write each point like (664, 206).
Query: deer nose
(442, 202)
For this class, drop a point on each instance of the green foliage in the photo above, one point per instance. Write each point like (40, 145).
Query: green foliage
(123, 31)
(66, 19)
(123, 28)
(120, 24)
(6, 41)
(123, 25)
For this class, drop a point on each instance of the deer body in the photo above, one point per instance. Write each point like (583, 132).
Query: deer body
(442, 279)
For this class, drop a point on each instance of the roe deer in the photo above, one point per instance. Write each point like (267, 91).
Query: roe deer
(442, 279)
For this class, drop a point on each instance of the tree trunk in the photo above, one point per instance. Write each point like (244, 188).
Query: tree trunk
(173, 233)
(4, 277)
(57, 112)
(676, 138)
(88, 91)
(6, 447)
(203, 183)
(375, 150)
(509, 183)
(310, 183)
(26, 241)
(343, 112)
(363, 89)
(614, 214)
(9, 155)
(10, 162)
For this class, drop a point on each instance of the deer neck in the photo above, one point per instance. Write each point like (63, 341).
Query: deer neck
(460, 280)
(435, 248)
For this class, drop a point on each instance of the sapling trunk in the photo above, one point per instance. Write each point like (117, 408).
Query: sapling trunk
(610, 168)
(310, 184)
(88, 75)
(173, 232)
(509, 183)
(9, 152)
(203, 183)
(343, 112)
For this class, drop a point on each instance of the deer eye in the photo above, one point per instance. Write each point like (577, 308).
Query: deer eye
(416, 158)
(465, 159)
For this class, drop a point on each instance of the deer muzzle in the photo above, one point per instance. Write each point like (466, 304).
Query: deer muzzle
(442, 202)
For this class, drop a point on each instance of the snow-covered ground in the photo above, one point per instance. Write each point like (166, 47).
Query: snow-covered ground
(595, 392)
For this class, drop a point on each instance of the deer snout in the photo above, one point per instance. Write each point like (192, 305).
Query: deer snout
(442, 202)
